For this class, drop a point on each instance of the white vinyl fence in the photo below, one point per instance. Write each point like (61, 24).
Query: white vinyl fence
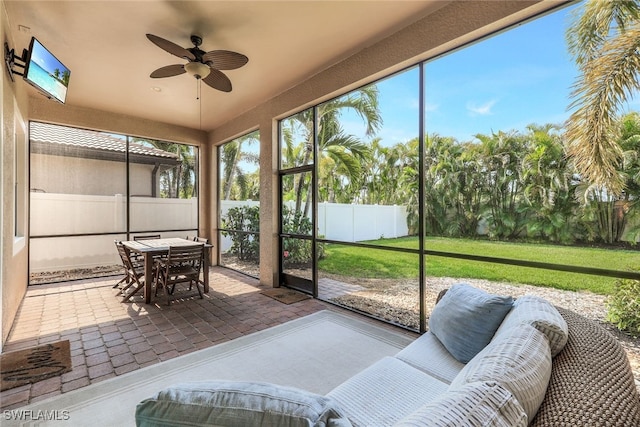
(345, 222)
(355, 223)
(67, 214)
(60, 214)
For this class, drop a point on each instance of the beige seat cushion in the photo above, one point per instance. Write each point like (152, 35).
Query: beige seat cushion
(385, 392)
(429, 355)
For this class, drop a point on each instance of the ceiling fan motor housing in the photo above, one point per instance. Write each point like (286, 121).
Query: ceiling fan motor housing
(196, 51)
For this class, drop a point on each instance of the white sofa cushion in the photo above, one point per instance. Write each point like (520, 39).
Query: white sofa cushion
(385, 392)
(520, 360)
(486, 404)
(543, 316)
(466, 318)
(429, 355)
(238, 404)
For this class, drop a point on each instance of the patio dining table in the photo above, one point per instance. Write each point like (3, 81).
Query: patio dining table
(154, 247)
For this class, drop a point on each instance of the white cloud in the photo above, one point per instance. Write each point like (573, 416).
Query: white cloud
(429, 108)
(481, 110)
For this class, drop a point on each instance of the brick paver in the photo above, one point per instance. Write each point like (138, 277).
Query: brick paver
(110, 338)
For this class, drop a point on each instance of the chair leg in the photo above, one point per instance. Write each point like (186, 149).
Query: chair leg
(197, 282)
(121, 280)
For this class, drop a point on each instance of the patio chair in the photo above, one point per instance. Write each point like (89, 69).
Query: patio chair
(137, 264)
(205, 241)
(133, 281)
(182, 265)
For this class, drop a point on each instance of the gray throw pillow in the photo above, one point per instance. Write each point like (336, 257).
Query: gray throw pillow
(466, 318)
(238, 404)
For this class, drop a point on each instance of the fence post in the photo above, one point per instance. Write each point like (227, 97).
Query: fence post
(119, 214)
(395, 221)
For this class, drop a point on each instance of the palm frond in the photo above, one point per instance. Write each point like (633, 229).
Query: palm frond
(606, 83)
(592, 26)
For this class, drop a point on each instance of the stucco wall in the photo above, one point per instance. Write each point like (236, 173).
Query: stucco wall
(13, 250)
(71, 175)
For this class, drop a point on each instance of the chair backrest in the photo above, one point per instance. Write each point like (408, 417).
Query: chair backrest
(201, 240)
(147, 237)
(185, 255)
(125, 256)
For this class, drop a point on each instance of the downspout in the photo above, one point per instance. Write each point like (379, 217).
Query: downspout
(154, 173)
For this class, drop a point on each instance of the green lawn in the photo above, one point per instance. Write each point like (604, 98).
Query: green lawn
(361, 262)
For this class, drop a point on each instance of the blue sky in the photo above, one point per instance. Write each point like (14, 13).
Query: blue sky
(45, 59)
(506, 82)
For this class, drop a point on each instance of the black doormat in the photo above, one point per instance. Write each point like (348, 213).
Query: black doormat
(34, 364)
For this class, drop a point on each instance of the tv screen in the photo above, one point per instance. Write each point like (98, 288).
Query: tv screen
(46, 72)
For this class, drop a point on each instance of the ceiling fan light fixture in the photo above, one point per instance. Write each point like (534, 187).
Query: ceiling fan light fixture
(197, 69)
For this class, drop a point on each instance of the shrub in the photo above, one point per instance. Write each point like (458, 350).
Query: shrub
(245, 240)
(298, 251)
(624, 306)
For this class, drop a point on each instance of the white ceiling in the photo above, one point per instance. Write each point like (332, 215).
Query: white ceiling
(103, 43)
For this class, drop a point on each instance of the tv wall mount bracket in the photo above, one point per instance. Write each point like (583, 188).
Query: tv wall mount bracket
(12, 60)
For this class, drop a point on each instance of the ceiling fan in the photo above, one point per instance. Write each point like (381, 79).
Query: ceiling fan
(202, 65)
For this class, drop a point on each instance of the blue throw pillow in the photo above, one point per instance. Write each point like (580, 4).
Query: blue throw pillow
(466, 318)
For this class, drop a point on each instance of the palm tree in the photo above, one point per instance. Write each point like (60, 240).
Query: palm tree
(178, 182)
(549, 189)
(501, 153)
(604, 40)
(233, 178)
(607, 215)
(345, 151)
(383, 170)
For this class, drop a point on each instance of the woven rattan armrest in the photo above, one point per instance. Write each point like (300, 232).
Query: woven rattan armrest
(591, 382)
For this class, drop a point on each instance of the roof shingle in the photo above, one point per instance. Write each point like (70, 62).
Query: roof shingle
(64, 135)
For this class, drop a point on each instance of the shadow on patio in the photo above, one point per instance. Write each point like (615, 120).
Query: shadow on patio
(110, 338)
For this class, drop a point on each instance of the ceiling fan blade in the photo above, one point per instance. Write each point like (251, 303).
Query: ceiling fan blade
(217, 80)
(171, 47)
(168, 71)
(225, 59)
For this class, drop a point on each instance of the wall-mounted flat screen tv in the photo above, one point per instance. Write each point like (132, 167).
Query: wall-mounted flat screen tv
(46, 72)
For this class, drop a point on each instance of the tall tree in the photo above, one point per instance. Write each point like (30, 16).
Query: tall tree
(607, 215)
(235, 183)
(502, 155)
(549, 189)
(605, 41)
(346, 151)
(180, 181)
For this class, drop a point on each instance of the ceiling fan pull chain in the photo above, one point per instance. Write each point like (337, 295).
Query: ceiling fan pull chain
(199, 89)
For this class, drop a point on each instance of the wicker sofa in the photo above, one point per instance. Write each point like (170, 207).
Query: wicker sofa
(591, 381)
(563, 370)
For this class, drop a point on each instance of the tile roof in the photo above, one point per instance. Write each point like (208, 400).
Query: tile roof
(64, 135)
